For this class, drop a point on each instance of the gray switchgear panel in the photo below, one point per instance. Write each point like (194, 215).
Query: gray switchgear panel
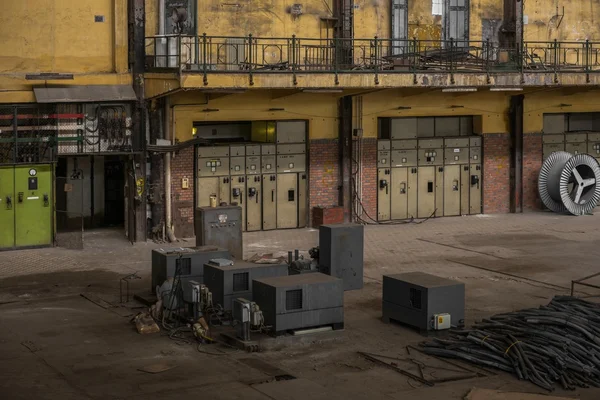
(341, 253)
(220, 226)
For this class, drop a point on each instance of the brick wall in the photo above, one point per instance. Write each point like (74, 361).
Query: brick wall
(324, 172)
(369, 178)
(158, 193)
(532, 163)
(496, 173)
(182, 166)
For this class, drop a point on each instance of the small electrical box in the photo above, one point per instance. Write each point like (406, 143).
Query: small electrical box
(441, 322)
(185, 183)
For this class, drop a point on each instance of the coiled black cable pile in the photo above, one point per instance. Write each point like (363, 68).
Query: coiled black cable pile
(554, 344)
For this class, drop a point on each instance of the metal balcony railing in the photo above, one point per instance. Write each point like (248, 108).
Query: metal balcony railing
(249, 54)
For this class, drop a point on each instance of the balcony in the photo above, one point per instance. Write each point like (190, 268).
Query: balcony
(205, 61)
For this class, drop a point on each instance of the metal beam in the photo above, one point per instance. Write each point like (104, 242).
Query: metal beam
(345, 156)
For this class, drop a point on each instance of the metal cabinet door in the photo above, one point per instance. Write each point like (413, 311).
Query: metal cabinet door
(426, 192)
(383, 194)
(206, 187)
(413, 185)
(253, 203)
(475, 186)
(7, 207)
(238, 195)
(302, 200)
(269, 202)
(439, 191)
(452, 190)
(287, 200)
(399, 193)
(464, 190)
(33, 205)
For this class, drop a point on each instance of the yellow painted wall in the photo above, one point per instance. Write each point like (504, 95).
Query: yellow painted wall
(491, 107)
(580, 21)
(565, 100)
(319, 109)
(61, 36)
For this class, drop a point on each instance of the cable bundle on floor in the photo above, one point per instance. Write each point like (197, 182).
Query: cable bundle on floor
(554, 344)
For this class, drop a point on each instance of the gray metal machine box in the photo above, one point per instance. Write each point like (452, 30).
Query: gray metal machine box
(164, 262)
(300, 301)
(220, 226)
(341, 249)
(414, 298)
(229, 282)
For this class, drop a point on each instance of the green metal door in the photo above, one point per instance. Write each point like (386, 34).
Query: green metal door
(7, 210)
(33, 205)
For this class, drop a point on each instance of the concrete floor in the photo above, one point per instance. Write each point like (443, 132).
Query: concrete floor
(55, 344)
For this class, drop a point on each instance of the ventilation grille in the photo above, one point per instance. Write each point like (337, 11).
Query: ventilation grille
(241, 282)
(415, 298)
(293, 299)
(184, 265)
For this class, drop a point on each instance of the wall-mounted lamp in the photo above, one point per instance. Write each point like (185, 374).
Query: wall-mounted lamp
(210, 110)
(276, 109)
(565, 105)
(404, 108)
(506, 89)
(459, 89)
(455, 106)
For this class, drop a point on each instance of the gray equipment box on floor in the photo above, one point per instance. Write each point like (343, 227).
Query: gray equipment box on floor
(300, 301)
(164, 262)
(229, 282)
(220, 226)
(341, 249)
(414, 298)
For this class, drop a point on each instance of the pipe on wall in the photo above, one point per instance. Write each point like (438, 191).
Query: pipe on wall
(168, 202)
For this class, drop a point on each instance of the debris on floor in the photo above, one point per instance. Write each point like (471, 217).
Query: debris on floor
(266, 259)
(557, 343)
(145, 324)
(157, 368)
(487, 394)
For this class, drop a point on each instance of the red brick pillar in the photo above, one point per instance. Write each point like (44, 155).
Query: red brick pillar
(182, 201)
(496, 173)
(324, 176)
(532, 163)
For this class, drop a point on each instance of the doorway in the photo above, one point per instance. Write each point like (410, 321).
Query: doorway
(114, 192)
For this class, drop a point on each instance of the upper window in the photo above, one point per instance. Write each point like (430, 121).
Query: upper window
(437, 7)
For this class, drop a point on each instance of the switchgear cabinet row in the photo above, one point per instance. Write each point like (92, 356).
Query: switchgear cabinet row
(26, 206)
(421, 178)
(267, 180)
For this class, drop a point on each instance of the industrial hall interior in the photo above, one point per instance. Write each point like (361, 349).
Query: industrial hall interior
(327, 199)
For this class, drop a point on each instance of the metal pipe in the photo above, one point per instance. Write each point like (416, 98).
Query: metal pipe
(290, 258)
(296, 254)
(168, 203)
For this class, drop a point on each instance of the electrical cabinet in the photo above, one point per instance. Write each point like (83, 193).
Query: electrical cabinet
(7, 207)
(26, 206)
(426, 192)
(404, 193)
(300, 301)
(452, 192)
(341, 253)
(593, 144)
(254, 197)
(287, 200)
(414, 298)
(33, 205)
(383, 153)
(465, 188)
(291, 132)
(191, 261)
(229, 282)
(576, 143)
(403, 128)
(221, 227)
(383, 193)
(552, 143)
(269, 201)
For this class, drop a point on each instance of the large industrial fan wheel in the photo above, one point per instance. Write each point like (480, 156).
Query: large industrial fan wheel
(570, 183)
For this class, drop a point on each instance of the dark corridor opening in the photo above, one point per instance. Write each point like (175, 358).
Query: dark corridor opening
(114, 192)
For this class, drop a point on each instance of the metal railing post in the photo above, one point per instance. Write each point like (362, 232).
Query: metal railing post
(294, 60)
(250, 48)
(337, 51)
(204, 57)
(376, 60)
(451, 60)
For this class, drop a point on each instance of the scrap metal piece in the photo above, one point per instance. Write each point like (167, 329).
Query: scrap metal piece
(569, 183)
